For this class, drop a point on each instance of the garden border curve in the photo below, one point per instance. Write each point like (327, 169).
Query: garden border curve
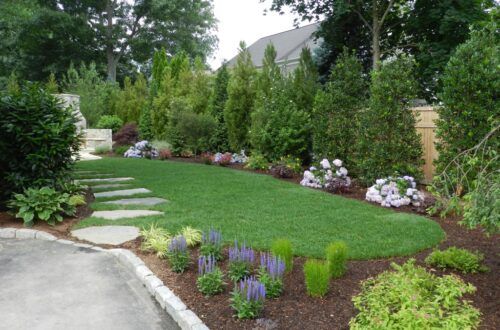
(169, 302)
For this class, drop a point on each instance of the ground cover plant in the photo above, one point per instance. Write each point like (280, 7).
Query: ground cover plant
(258, 209)
(458, 259)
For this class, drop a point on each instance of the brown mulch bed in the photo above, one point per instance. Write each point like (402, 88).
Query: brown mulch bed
(294, 309)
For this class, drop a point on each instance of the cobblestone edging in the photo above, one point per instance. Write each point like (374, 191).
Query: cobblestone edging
(173, 305)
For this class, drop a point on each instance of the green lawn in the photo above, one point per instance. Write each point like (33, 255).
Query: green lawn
(259, 209)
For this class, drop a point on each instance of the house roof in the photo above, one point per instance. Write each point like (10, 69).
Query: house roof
(288, 44)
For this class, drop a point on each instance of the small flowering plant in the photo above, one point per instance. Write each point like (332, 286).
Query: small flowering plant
(210, 278)
(286, 167)
(271, 273)
(142, 149)
(247, 298)
(223, 159)
(207, 158)
(240, 158)
(334, 178)
(178, 254)
(241, 261)
(211, 244)
(395, 192)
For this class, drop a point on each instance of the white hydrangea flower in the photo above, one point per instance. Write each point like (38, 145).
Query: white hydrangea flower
(337, 162)
(325, 164)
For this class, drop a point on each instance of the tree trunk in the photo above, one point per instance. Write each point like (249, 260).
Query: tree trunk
(375, 37)
(112, 63)
(110, 54)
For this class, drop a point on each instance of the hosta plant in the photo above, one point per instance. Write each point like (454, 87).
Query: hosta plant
(44, 204)
(247, 298)
(210, 278)
(178, 254)
(241, 261)
(395, 192)
(211, 244)
(271, 273)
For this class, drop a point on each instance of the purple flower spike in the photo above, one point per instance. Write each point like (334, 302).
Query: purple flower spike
(252, 289)
(177, 244)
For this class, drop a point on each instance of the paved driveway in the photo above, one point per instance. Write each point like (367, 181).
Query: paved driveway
(47, 285)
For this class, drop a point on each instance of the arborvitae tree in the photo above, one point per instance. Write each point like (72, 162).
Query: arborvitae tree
(161, 105)
(51, 85)
(471, 107)
(241, 95)
(269, 72)
(337, 108)
(132, 99)
(305, 81)
(146, 124)
(388, 142)
(219, 141)
(200, 89)
(12, 84)
(160, 62)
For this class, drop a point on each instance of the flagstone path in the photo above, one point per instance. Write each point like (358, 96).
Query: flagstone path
(126, 192)
(138, 201)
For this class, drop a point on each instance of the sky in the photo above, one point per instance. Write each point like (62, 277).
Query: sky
(245, 20)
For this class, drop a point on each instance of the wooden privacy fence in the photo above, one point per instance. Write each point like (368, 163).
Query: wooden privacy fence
(427, 129)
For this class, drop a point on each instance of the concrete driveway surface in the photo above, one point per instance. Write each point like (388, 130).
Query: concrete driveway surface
(48, 285)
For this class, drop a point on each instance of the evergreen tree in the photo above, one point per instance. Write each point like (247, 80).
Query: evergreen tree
(336, 110)
(219, 141)
(241, 95)
(161, 105)
(305, 81)
(51, 86)
(269, 72)
(388, 142)
(131, 100)
(146, 124)
(199, 93)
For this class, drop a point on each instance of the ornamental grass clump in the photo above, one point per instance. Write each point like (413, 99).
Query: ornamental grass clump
(271, 272)
(210, 278)
(192, 235)
(283, 248)
(336, 258)
(241, 261)
(459, 259)
(317, 278)
(211, 244)
(155, 239)
(178, 254)
(247, 298)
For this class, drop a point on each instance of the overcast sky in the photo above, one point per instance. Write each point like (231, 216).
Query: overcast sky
(245, 20)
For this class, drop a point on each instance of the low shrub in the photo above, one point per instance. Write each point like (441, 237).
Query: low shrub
(286, 167)
(257, 162)
(317, 278)
(178, 254)
(271, 273)
(283, 248)
(155, 239)
(120, 150)
(210, 278)
(240, 262)
(323, 176)
(127, 135)
(223, 159)
(44, 204)
(112, 122)
(142, 149)
(192, 235)
(164, 154)
(73, 188)
(395, 192)
(409, 298)
(459, 259)
(77, 200)
(101, 150)
(211, 244)
(336, 258)
(247, 298)
(207, 158)
(161, 144)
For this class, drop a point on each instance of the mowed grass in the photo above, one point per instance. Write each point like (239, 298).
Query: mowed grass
(259, 209)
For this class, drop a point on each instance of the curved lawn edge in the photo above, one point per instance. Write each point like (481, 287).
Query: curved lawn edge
(259, 208)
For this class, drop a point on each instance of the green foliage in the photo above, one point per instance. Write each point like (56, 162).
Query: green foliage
(244, 308)
(95, 93)
(459, 259)
(283, 248)
(336, 258)
(101, 150)
(146, 125)
(207, 249)
(211, 283)
(155, 239)
(257, 162)
(482, 207)
(290, 163)
(240, 100)
(192, 235)
(179, 261)
(201, 88)
(51, 85)
(470, 106)
(388, 141)
(274, 287)
(77, 200)
(112, 122)
(435, 301)
(120, 150)
(38, 139)
(129, 102)
(337, 110)
(218, 100)
(44, 204)
(317, 278)
(238, 270)
(305, 81)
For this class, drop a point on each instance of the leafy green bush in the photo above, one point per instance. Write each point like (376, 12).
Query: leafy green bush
(120, 150)
(337, 110)
(219, 140)
(286, 167)
(459, 259)
(317, 278)
(282, 248)
(411, 298)
(336, 258)
(42, 204)
(257, 162)
(77, 200)
(388, 141)
(129, 102)
(38, 139)
(101, 150)
(112, 122)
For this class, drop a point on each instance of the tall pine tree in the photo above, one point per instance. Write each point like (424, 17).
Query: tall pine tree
(220, 141)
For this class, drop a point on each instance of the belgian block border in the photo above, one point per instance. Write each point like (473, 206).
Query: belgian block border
(169, 302)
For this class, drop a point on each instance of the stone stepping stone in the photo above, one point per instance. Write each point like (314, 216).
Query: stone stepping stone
(111, 185)
(105, 180)
(125, 192)
(113, 235)
(138, 201)
(124, 214)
